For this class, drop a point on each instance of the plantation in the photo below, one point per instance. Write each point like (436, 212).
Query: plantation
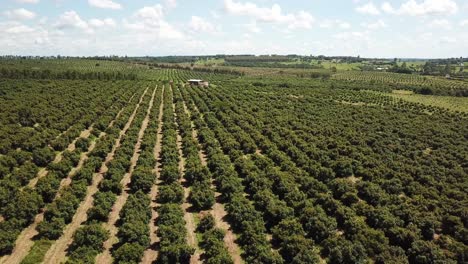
(121, 161)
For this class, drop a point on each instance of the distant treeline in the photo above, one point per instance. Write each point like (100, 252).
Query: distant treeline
(68, 75)
(252, 58)
(197, 69)
(273, 65)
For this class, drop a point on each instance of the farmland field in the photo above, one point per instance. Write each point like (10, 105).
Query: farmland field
(123, 162)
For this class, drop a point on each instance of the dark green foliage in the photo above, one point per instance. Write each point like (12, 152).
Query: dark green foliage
(90, 236)
(43, 156)
(51, 229)
(8, 234)
(82, 255)
(103, 202)
(129, 253)
(317, 224)
(423, 252)
(142, 179)
(173, 247)
(25, 205)
(172, 193)
(206, 223)
(134, 232)
(202, 196)
(343, 251)
(82, 144)
(170, 173)
(320, 164)
(213, 244)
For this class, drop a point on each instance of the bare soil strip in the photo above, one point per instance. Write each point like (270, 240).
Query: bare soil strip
(57, 252)
(43, 172)
(151, 254)
(114, 216)
(201, 152)
(189, 221)
(24, 242)
(84, 134)
(218, 210)
(25, 239)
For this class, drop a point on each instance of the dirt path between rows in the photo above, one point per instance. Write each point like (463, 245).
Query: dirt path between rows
(218, 210)
(188, 217)
(57, 251)
(114, 216)
(151, 254)
(25, 241)
(71, 147)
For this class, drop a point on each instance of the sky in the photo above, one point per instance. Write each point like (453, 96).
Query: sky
(368, 28)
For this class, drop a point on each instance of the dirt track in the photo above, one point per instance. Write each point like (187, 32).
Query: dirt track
(25, 241)
(71, 147)
(151, 254)
(57, 252)
(218, 210)
(188, 217)
(105, 257)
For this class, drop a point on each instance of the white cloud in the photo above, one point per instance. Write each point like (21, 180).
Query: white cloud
(388, 8)
(199, 24)
(369, 9)
(344, 25)
(446, 39)
(336, 23)
(150, 14)
(253, 28)
(151, 20)
(13, 27)
(170, 4)
(351, 35)
(440, 23)
(98, 23)
(71, 19)
(20, 13)
(107, 4)
(27, 1)
(375, 25)
(423, 8)
(464, 23)
(301, 19)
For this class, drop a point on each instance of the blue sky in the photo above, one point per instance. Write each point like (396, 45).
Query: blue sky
(369, 28)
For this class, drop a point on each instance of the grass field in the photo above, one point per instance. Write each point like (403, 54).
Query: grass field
(447, 102)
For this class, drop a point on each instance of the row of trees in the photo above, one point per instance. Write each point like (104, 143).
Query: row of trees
(245, 219)
(22, 204)
(343, 161)
(202, 196)
(88, 239)
(30, 133)
(110, 186)
(212, 241)
(197, 176)
(135, 216)
(289, 191)
(389, 81)
(46, 74)
(197, 69)
(173, 247)
(274, 193)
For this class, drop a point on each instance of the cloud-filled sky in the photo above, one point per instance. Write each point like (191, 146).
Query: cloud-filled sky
(369, 28)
